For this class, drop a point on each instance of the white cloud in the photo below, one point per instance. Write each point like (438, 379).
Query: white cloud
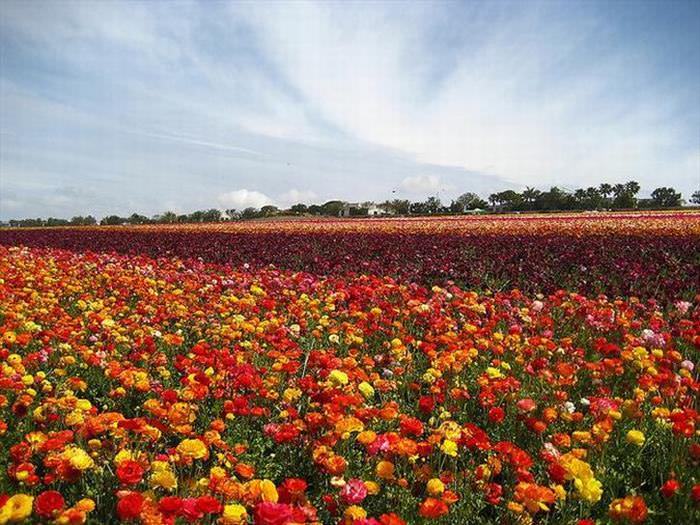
(526, 98)
(295, 196)
(241, 199)
(422, 184)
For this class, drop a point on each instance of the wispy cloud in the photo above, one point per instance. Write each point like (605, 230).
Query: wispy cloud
(148, 104)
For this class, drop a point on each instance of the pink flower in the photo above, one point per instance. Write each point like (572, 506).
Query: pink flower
(353, 492)
(526, 405)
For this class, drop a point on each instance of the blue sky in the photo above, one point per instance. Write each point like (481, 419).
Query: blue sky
(115, 107)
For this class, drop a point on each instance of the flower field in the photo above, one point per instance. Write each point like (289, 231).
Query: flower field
(507, 370)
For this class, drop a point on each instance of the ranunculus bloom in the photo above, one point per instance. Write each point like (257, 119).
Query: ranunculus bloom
(48, 503)
(170, 505)
(129, 506)
(268, 513)
(433, 508)
(130, 472)
(496, 415)
(353, 492)
(670, 488)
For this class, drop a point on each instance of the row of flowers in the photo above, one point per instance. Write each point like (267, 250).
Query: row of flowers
(648, 256)
(165, 390)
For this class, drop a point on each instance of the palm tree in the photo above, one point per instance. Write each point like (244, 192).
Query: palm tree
(530, 195)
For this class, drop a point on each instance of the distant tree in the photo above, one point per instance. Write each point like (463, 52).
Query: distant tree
(113, 220)
(359, 211)
(168, 217)
(594, 198)
(401, 206)
(299, 209)
(417, 208)
(625, 195)
(52, 221)
(666, 197)
(606, 190)
(580, 198)
(211, 215)
(27, 223)
(135, 218)
(554, 199)
(530, 196)
(79, 220)
(269, 210)
(695, 198)
(471, 201)
(196, 216)
(509, 200)
(433, 205)
(249, 213)
(332, 208)
(315, 209)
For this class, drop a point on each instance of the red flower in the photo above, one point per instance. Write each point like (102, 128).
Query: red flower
(433, 508)
(268, 513)
(129, 507)
(391, 519)
(670, 488)
(426, 404)
(130, 472)
(170, 505)
(496, 415)
(48, 503)
(695, 493)
(209, 505)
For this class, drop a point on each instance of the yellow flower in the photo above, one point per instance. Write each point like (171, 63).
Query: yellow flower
(372, 488)
(164, 479)
(435, 487)
(635, 437)
(353, 512)
(560, 492)
(192, 448)
(366, 389)
(587, 486)
(78, 458)
(590, 489)
(493, 373)
(338, 378)
(123, 455)
(268, 491)
(449, 448)
(17, 508)
(290, 395)
(85, 505)
(234, 514)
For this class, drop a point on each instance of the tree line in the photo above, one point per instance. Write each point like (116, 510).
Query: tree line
(603, 197)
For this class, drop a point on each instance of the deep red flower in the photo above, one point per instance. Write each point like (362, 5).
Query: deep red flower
(129, 507)
(496, 415)
(48, 503)
(670, 488)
